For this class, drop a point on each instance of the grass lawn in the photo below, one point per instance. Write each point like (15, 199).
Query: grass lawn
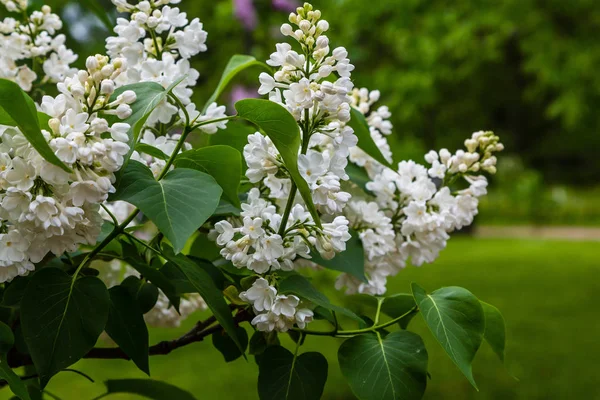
(546, 290)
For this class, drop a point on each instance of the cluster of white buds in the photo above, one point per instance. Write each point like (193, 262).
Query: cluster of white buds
(29, 48)
(275, 312)
(379, 126)
(415, 208)
(478, 157)
(43, 208)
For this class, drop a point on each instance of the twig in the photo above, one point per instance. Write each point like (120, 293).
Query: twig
(196, 334)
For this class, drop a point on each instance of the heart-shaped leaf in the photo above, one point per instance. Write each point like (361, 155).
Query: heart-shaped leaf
(456, 319)
(278, 124)
(223, 163)
(495, 329)
(127, 328)
(285, 376)
(178, 204)
(62, 319)
(381, 369)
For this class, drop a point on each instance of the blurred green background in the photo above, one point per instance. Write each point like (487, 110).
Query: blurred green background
(528, 70)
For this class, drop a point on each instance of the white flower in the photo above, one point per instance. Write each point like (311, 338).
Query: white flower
(261, 295)
(22, 175)
(312, 166)
(303, 317)
(225, 232)
(13, 247)
(285, 305)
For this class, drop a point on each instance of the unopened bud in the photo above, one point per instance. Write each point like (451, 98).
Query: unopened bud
(91, 63)
(107, 87)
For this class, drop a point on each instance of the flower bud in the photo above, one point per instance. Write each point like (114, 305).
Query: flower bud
(91, 63)
(304, 25)
(54, 124)
(286, 30)
(128, 97)
(323, 25)
(339, 53)
(107, 87)
(123, 111)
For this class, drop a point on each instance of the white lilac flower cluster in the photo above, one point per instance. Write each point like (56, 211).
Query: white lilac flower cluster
(275, 311)
(314, 87)
(28, 47)
(415, 208)
(256, 244)
(163, 314)
(43, 208)
(303, 84)
(157, 41)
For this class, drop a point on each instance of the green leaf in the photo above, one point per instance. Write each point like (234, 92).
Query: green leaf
(285, 376)
(301, 287)
(236, 64)
(151, 151)
(397, 305)
(178, 204)
(234, 135)
(43, 120)
(205, 248)
(152, 274)
(149, 388)
(19, 107)
(182, 284)
(456, 319)
(148, 96)
(15, 291)
(351, 261)
(381, 369)
(365, 141)
(144, 293)
(223, 163)
(17, 386)
(99, 11)
(205, 286)
(223, 342)
(277, 123)
(7, 338)
(359, 176)
(127, 328)
(495, 329)
(62, 319)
